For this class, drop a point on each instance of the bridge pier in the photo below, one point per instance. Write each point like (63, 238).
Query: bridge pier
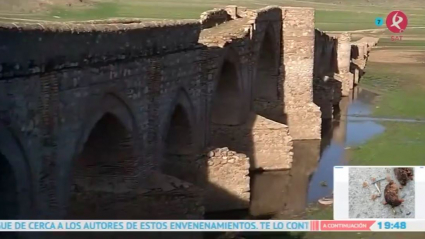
(227, 170)
(359, 54)
(343, 73)
(267, 143)
(303, 116)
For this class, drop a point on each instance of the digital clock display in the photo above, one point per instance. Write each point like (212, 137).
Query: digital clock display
(392, 225)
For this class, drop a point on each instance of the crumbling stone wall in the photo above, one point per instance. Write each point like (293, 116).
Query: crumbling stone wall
(327, 91)
(359, 54)
(214, 17)
(244, 133)
(267, 143)
(227, 169)
(338, 65)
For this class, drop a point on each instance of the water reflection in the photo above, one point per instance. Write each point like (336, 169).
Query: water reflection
(345, 132)
(285, 191)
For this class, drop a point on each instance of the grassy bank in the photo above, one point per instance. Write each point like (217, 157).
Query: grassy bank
(402, 95)
(402, 89)
(400, 144)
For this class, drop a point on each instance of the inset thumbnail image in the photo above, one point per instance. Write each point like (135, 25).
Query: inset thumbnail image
(381, 192)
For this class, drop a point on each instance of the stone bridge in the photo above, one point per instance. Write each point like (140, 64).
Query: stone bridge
(125, 119)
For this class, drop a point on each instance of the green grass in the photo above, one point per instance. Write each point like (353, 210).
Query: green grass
(400, 144)
(402, 95)
(343, 20)
(388, 42)
(114, 10)
(402, 88)
(99, 11)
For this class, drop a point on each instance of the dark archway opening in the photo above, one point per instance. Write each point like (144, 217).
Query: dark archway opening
(267, 88)
(179, 136)
(9, 206)
(228, 100)
(266, 85)
(179, 151)
(8, 191)
(105, 168)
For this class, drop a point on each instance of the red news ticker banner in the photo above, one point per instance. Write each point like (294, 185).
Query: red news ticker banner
(341, 225)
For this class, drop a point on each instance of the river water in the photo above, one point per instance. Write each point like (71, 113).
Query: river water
(350, 129)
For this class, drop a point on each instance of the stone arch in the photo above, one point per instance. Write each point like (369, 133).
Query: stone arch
(228, 103)
(104, 163)
(179, 138)
(15, 178)
(266, 80)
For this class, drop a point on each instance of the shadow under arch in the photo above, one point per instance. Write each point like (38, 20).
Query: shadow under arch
(266, 81)
(267, 86)
(15, 178)
(229, 105)
(104, 164)
(16, 191)
(180, 146)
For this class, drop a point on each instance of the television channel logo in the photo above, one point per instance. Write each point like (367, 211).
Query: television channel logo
(397, 21)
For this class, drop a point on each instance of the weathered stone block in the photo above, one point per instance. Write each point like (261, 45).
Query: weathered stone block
(344, 53)
(310, 115)
(267, 143)
(347, 82)
(228, 181)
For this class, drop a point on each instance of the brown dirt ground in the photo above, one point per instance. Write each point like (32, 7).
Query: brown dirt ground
(397, 56)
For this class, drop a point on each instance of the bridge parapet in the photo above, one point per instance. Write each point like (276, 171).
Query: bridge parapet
(27, 48)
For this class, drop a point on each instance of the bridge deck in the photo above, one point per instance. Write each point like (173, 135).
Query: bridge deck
(225, 32)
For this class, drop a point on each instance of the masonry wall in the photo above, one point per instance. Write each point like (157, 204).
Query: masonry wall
(240, 41)
(343, 62)
(267, 143)
(338, 66)
(227, 169)
(214, 17)
(327, 91)
(359, 54)
(85, 44)
(93, 72)
(267, 79)
(303, 116)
